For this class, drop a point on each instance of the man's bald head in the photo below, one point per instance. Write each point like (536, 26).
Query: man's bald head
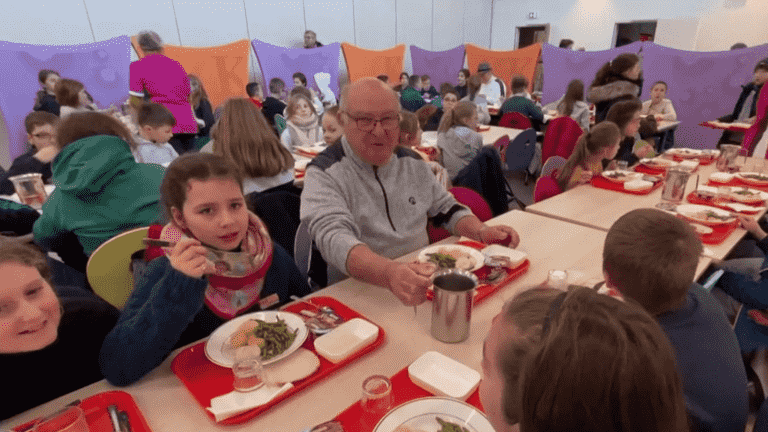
(368, 87)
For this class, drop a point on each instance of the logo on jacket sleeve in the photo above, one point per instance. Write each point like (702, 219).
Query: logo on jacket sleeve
(412, 200)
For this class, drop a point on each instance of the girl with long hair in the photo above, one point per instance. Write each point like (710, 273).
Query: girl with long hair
(619, 79)
(457, 137)
(602, 142)
(572, 104)
(303, 124)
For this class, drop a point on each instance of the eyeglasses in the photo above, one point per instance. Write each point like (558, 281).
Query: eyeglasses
(367, 124)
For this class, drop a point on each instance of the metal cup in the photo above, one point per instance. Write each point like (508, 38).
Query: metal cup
(452, 305)
(674, 185)
(30, 189)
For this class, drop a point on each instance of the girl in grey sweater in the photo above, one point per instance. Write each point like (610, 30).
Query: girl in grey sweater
(457, 137)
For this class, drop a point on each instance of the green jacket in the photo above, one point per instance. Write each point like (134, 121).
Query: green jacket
(100, 192)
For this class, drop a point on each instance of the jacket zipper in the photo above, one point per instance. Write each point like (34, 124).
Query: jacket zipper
(386, 201)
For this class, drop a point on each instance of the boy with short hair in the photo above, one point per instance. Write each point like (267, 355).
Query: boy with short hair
(274, 104)
(254, 93)
(41, 135)
(427, 89)
(410, 97)
(520, 101)
(155, 129)
(651, 257)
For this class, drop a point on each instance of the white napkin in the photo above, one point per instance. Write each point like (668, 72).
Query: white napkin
(234, 403)
(637, 184)
(740, 207)
(721, 177)
(689, 164)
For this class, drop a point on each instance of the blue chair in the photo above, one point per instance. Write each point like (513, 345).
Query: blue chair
(520, 152)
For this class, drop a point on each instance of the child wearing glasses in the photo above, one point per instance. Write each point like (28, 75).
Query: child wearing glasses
(457, 138)
(41, 135)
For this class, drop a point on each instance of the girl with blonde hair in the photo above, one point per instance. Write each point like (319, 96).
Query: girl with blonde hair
(457, 138)
(602, 142)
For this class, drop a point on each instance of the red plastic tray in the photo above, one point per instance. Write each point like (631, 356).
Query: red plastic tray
(694, 198)
(719, 232)
(731, 128)
(486, 290)
(736, 182)
(97, 416)
(403, 390)
(652, 171)
(603, 183)
(702, 160)
(206, 380)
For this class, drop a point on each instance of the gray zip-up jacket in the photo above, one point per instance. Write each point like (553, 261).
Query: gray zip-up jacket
(348, 202)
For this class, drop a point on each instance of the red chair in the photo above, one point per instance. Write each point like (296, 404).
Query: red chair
(546, 187)
(561, 137)
(515, 120)
(469, 198)
(552, 166)
(501, 145)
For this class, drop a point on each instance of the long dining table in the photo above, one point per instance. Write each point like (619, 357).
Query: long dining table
(549, 243)
(598, 208)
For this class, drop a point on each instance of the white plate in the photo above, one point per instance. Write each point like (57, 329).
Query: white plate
(751, 181)
(474, 253)
(763, 195)
(627, 176)
(688, 210)
(443, 376)
(419, 414)
(219, 351)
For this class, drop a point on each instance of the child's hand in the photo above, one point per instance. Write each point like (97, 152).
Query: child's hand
(752, 226)
(645, 151)
(46, 154)
(585, 177)
(659, 117)
(188, 257)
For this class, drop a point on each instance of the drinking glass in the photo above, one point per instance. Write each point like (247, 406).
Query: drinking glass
(622, 166)
(377, 398)
(247, 369)
(70, 420)
(558, 279)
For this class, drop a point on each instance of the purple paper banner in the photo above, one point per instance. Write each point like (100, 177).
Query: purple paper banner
(441, 66)
(102, 67)
(701, 85)
(281, 62)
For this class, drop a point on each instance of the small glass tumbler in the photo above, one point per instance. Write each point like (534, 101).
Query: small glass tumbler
(247, 369)
(71, 419)
(558, 279)
(622, 166)
(377, 398)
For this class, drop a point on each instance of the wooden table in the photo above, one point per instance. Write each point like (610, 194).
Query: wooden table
(600, 208)
(489, 136)
(550, 243)
(665, 131)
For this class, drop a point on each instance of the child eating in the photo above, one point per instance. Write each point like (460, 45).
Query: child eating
(155, 129)
(586, 161)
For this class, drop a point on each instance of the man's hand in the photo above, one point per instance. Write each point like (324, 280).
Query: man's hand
(409, 282)
(752, 226)
(46, 154)
(188, 257)
(498, 233)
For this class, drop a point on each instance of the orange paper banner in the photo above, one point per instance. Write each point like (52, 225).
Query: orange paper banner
(506, 64)
(223, 69)
(363, 63)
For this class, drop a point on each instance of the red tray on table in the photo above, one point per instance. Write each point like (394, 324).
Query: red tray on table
(206, 380)
(652, 171)
(702, 160)
(603, 183)
(484, 291)
(737, 182)
(719, 232)
(730, 128)
(403, 390)
(97, 415)
(694, 198)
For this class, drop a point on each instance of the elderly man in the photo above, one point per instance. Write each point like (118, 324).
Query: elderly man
(310, 40)
(367, 202)
(492, 87)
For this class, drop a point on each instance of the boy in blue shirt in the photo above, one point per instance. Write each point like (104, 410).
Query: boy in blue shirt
(156, 124)
(651, 257)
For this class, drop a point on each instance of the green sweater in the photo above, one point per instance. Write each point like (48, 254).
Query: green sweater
(100, 192)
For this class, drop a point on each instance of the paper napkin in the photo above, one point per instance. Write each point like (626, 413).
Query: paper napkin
(234, 403)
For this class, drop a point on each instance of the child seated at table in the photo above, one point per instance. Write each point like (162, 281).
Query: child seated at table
(41, 135)
(255, 94)
(410, 97)
(659, 106)
(45, 99)
(49, 336)
(303, 124)
(410, 137)
(572, 104)
(332, 130)
(457, 137)
(608, 366)
(72, 97)
(626, 115)
(473, 95)
(586, 161)
(651, 257)
(156, 124)
(427, 89)
(520, 101)
(183, 296)
(300, 80)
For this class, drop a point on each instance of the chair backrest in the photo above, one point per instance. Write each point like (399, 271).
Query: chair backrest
(561, 137)
(553, 166)
(546, 187)
(515, 120)
(474, 201)
(109, 267)
(302, 249)
(501, 145)
(280, 123)
(521, 150)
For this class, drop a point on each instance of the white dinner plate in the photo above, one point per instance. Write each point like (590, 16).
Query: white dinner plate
(689, 211)
(420, 414)
(757, 182)
(474, 253)
(625, 176)
(219, 351)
